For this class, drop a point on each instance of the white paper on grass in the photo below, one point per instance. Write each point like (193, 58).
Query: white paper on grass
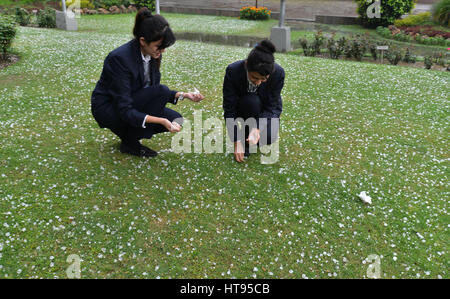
(365, 198)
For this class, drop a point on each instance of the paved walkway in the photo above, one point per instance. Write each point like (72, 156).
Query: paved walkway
(296, 9)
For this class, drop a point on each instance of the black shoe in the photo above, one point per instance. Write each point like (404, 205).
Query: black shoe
(137, 150)
(149, 152)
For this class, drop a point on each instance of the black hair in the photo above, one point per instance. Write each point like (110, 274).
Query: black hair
(261, 59)
(153, 28)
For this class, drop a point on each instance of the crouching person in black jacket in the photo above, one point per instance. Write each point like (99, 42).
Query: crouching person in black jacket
(129, 99)
(252, 96)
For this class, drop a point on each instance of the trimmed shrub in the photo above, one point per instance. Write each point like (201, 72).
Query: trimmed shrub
(394, 56)
(403, 37)
(358, 49)
(384, 32)
(83, 4)
(390, 11)
(8, 31)
(409, 58)
(413, 20)
(308, 50)
(254, 13)
(46, 18)
(150, 4)
(439, 58)
(22, 16)
(313, 49)
(441, 12)
(373, 51)
(334, 49)
(342, 44)
(319, 41)
(428, 61)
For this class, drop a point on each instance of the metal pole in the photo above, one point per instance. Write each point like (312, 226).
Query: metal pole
(282, 13)
(64, 5)
(157, 7)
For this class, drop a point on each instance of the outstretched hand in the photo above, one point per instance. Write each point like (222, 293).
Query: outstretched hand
(253, 137)
(194, 96)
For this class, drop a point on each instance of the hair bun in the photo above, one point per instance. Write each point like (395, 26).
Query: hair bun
(141, 15)
(266, 46)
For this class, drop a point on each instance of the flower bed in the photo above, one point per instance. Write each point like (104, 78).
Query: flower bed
(255, 13)
(425, 34)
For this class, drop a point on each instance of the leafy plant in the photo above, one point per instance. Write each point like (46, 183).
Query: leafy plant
(319, 41)
(358, 48)
(46, 18)
(373, 51)
(22, 16)
(428, 61)
(439, 58)
(150, 4)
(409, 57)
(384, 32)
(308, 50)
(82, 4)
(403, 37)
(313, 48)
(390, 10)
(394, 56)
(7, 33)
(441, 12)
(413, 20)
(342, 44)
(334, 49)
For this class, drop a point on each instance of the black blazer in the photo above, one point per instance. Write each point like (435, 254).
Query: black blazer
(235, 86)
(122, 76)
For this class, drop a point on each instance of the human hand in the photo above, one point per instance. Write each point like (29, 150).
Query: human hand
(253, 137)
(194, 96)
(238, 152)
(172, 127)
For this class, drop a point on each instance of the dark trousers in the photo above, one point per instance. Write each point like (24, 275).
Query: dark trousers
(249, 106)
(149, 100)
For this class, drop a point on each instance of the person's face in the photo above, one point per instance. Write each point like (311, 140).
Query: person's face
(257, 78)
(151, 48)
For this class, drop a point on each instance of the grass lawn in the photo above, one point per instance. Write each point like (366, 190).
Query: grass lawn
(347, 127)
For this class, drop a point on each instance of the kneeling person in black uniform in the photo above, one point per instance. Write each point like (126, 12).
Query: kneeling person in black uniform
(129, 99)
(252, 90)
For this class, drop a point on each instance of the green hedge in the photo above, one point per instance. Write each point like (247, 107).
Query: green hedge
(23, 17)
(390, 10)
(413, 20)
(47, 18)
(441, 12)
(150, 4)
(7, 33)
